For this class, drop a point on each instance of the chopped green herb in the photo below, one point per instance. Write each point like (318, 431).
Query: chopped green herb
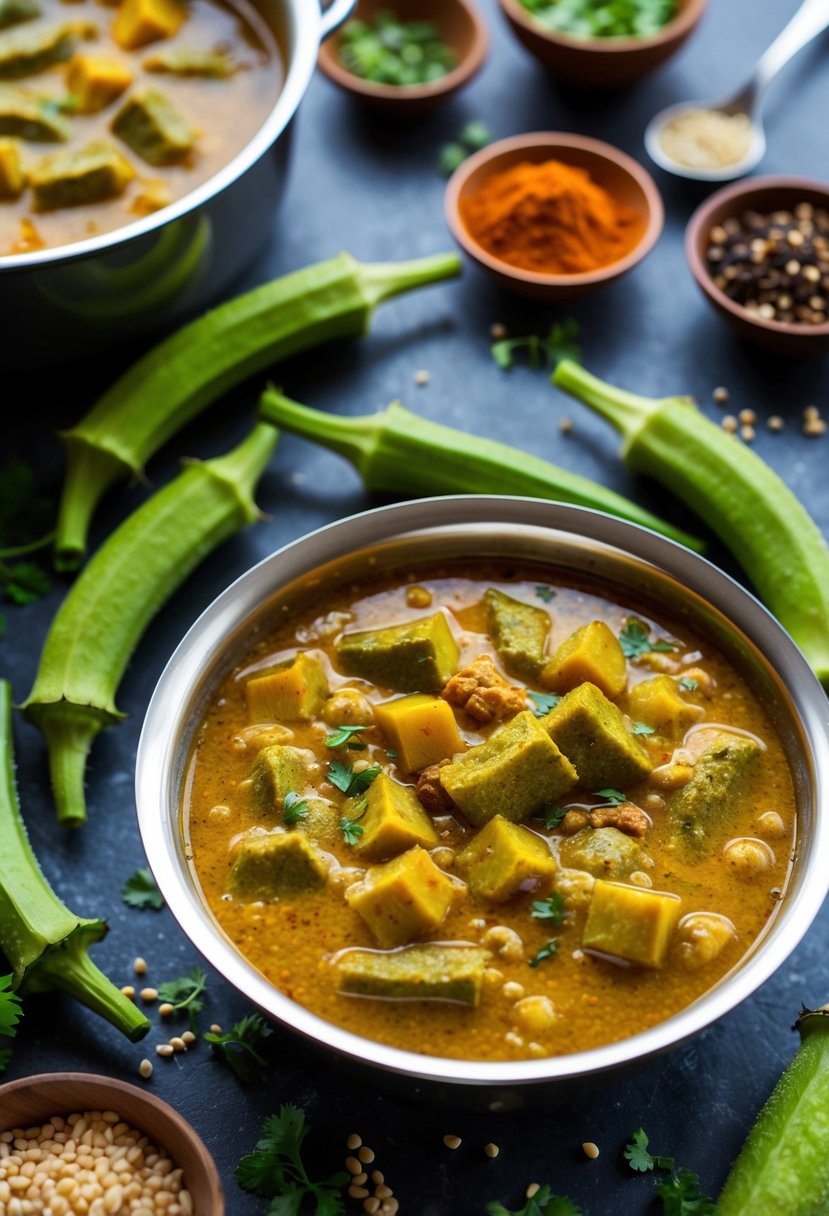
(554, 818)
(550, 909)
(391, 753)
(238, 1047)
(600, 19)
(543, 702)
(475, 135)
(10, 1011)
(688, 684)
(275, 1169)
(548, 950)
(343, 736)
(140, 891)
(471, 138)
(638, 1157)
(547, 594)
(560, 343)
(679, 1192)
(186, 993)
(26, 519)
(450, 157)
(5, 1057)
(341, 774)
(351, 829)
(612, 797)
(542, 1203)
(635, 640)
(294, 808)
(390, 51)
(641, 728)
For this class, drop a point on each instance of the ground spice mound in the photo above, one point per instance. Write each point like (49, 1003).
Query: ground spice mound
(550, 218)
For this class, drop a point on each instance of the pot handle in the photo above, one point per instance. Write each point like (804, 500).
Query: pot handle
(335, 15)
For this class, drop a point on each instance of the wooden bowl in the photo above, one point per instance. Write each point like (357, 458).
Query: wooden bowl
(33, 1100)
(601, 63)
(462, 29)
(621, 176)
(761, 194)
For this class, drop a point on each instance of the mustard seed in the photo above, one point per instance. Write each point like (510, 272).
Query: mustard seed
(188, 1037)
(215, 1028)
(814, 427)
(747, 433)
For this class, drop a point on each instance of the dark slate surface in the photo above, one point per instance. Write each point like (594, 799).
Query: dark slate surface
(372, 188)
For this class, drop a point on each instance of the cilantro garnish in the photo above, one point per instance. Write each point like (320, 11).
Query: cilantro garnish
(238, 1048)
(688, 684)
(679, 1192)
(351, 828)
(275, 1169)
(550, 909)
(542, 1203)
(10, 1011)
(611, 797)
(548, 950)
(343, 736)
(635, 640)
(5, 1056)
(471, 138)
(543, 702)
(545, 593)
(560, 343)
(553, 820)
(341, 774)
(294, 808)
(641, 728)
(185, 993)
(140, 891)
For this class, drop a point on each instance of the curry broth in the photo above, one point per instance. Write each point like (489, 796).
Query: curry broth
(293, 941)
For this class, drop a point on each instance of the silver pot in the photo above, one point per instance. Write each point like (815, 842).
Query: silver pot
(156, 272)
(626, 560)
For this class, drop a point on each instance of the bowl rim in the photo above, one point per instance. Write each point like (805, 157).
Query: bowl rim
(155, 774)
(677, 27)
(330, 65)
(304, 27)
(740, 194)
(552, 140)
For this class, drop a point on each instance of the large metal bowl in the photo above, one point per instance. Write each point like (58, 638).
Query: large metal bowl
(629, 561)
(154, 272)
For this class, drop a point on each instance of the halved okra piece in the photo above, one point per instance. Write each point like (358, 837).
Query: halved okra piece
(519, 633)
(179, 61)
(150, 125)
(26, 51)
(85, 175)
(591, 654)
(425, 973)
(591, 732)
(293, 690)
(698, 810)
(418, 656)
(139, 22)
(29, 117)
(602, 852)
(13, 12)
(504, 858)
(393, 820)
(278, 770)
(270, 864)
(12, 174)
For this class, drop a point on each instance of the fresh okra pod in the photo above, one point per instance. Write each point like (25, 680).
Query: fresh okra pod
(738, 495)
(113, 600)
(396, 452)
(178, 378)
(45, 944)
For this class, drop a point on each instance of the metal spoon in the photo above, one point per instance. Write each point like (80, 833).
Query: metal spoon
(810, 19)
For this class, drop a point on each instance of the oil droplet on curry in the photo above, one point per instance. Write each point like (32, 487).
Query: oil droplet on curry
(477, 813)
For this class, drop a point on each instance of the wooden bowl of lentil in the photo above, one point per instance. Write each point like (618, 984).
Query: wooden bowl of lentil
(45, 1106)
(791, 278)
(601, 63)
(461, 28)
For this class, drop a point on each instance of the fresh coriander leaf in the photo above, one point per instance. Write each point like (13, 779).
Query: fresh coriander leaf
(10, 1010)
(24, 582)
(239, 1047)
(635, 640)
(548, 950)
(543, 702)
(351, 830)
(25, 514)
(642, 728)
(559, 344)
(275, 1169)
(391, 753)
(5, 1056)
(475, 135)
(680, 1195)
(553, 820)
(343, 736)
(562, 342)
(341, 774)
(140, 891)
(550, 909)
(542, 1203)
(612, 797)
(547, 594)
(186, 993)
(504, 352)
(636, 1152)
(294, 808)
(688, 684)
(450, 157)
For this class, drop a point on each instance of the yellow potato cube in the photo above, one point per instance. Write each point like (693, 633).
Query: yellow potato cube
(504, 857)
(393, 820)
(404, 898)
(659, 703)
(96, 80)
(12, 177)
(291, 691)
(139, 22)
(422, 730)
(631, 923)
(591, 653)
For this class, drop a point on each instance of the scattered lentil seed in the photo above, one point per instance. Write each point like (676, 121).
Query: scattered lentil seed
(590, 1149)
(498, 331)
(377, 1177)
(164, 1049)
(532, 1189)
(383, 1192)
(747, 417)
(366, 1155)
(390, 1207)
(422, 377)
(177, 1043)
(814, 427)
(128, 991)
(360, 1179)
(491, 1150)
(188, 1037)
(775, 423)
(371, 1205)
(145, 1069)
(729, 424)
(747, 433)
(721, 394)
(139, 966)
(215, 1028)
(810, 413)
(149, 995)
(452, 1141)
(165, 1010)
(358, 1192)
(353, 1142)
(565, 426)
(353, 1165)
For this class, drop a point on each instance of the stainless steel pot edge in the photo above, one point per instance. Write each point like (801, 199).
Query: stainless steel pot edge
(157, 794)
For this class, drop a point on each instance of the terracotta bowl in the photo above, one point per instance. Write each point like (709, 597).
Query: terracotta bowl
(462, 29)
(761, 194)
(601, 63)
(621, 176)
(32, 1100)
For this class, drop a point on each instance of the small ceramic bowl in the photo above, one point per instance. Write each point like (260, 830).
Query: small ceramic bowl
(462, 29)
(762, 194)
(621, 176)
(32, 1100)
(601, 63)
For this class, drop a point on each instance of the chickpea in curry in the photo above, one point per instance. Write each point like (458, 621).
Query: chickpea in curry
(481, 813)
(109, 113)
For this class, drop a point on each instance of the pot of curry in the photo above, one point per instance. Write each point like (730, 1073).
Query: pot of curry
(143, 148)
(518, 798)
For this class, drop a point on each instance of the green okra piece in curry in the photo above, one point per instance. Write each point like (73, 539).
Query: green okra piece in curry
(45, 944)
(396, 452)
(113, 600)
(783, 1167)
(185, 373)
(738, 495)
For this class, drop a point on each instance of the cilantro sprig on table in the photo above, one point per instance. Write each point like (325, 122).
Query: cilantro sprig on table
(560, 343)
(275, 1169)
(240, 1046)
(140, 891)
(679, 1192)
(542, 1203)
(10, 1014)
(186, 993)
(26, 519)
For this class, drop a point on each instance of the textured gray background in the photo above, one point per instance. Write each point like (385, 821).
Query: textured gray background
(360, 184)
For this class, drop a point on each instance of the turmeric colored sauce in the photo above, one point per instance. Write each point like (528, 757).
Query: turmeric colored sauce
(574, 999)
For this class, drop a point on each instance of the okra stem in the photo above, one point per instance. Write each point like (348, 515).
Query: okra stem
(396, 452)
(185, 373)
(739, 496)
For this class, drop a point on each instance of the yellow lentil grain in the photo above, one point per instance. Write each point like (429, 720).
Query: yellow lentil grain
(532, 1189)
(371, 1205)
(452, 1141)
(128, 991)
(491, 1150)
(565, 426)
(353, 1165)
(590, 1149)
(178, 1044)
(149, 995)
(145, 1069)
(139, 966)
(366, 1155)
(165, 1010)
(720, 395)
(188, 1037)
(358, 1192)
(164, 1049)
(729, 424)
(383, 1191)
(775, 423)
(353, 1142)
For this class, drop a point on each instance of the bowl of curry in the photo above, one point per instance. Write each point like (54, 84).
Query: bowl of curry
(516, 798)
